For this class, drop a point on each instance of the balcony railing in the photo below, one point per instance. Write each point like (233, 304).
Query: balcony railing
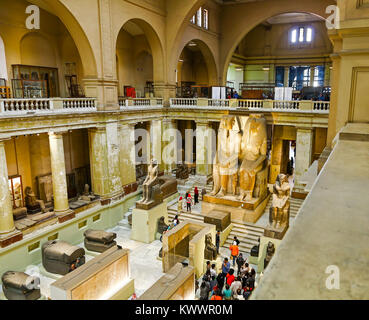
(252, 104)
(140, 102)
(52, 105)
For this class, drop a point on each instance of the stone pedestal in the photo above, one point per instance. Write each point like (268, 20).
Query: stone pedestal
(221, 219)
(241, 211)
(262, 251)
(145, 222)
(276, 233)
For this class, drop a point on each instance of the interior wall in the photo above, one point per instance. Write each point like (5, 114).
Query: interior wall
(51, 46)
(135, 62)
(193, 68)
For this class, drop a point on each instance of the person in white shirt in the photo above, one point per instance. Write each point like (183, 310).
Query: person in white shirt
(213, 272)
(235, 286)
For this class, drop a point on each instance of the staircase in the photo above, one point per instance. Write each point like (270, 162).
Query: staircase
(124, 222)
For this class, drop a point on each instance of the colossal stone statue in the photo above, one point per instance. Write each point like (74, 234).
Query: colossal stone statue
(253, 154)
(279, 211)
(226, 158)
(269, 253)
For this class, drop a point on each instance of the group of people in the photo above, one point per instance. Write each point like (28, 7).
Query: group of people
(227, 285)
(188, 200)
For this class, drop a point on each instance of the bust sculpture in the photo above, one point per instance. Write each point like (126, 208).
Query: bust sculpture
(226, 158)
(86, 196)
(279, 211)
(269, 253)
(254, 150)
(33, 204)
(210, 252)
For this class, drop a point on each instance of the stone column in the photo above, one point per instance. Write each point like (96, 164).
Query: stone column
(6, 210)
(304, 148)
(127, 160)
(156, 134)
(205, 150)
(104, 161)
(61, 205)
(148, 140)
(170, 145)
(8, 233)
(189, 134)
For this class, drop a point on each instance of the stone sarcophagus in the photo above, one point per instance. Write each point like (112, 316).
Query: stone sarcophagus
(221, 219)
(99, 240)
(60, 257)
(20, 286)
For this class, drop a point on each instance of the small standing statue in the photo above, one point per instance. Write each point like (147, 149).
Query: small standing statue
(279, 212)
(210, 249)
(149, 183)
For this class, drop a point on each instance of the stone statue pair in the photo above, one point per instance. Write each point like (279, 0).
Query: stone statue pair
(248, 147)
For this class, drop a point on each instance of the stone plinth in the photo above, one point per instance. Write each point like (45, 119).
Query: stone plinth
(241, 211)
(276, 233)
(145, 222)
(221, 219)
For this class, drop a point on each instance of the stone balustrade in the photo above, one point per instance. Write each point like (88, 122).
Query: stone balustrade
(13, 107)
(270, 105)
(139, 102)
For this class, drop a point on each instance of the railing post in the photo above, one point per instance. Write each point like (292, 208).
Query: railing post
(306, 105)
(202, 102)
(2, 109)
(233, 103)
(267, 104)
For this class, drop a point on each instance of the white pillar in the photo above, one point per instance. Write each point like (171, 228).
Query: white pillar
(304, 148)
(6, 210)
(189, 135)
(286, 76)
(170, 145)
(155, 135)
(127, 154)
(205, 150)
(61, 205)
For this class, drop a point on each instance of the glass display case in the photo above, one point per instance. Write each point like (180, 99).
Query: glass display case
(16, 191)
(35, 82)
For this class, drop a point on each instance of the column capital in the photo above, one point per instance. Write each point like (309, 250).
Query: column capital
(202, 122)
(305, 129)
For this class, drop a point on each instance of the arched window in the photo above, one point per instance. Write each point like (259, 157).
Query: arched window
(3, 69)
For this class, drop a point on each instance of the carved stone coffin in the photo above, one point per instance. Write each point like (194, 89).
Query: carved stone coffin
(20, 286)
(60, 257)
(99, 240)
(221, 219)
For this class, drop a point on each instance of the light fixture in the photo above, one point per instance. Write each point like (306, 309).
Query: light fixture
(239, 69)
(266, 68)
(192, 44)
(180, 60)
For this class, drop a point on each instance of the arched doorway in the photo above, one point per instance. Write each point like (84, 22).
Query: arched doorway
(196, 70)
(140, 59)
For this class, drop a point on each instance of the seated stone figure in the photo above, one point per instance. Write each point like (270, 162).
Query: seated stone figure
(60, 257)
(279, 211)
(210, 252)
(151, 181)
(32, 203)
(162, 226)
(225, 168)
(269, 254)
(254, 150)
(86, 196)
(20, 286)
